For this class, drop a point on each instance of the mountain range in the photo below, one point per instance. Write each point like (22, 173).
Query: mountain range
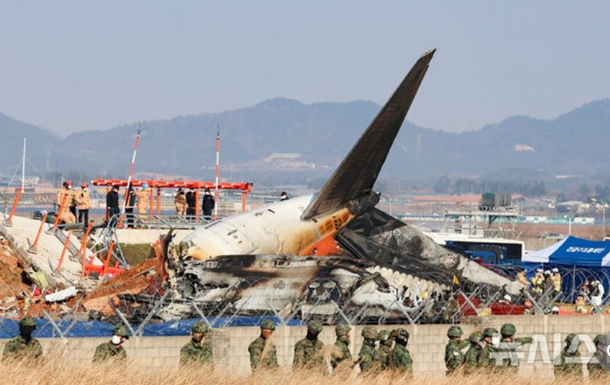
(312, 139)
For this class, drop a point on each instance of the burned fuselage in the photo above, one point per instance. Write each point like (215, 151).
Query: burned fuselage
(306, 285)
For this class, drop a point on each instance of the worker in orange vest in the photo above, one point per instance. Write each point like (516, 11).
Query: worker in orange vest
(66, 216)
(180, 202)
(143, 199)
(84, 203)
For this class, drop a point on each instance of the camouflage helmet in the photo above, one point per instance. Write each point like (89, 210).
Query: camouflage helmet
(267, 324)
(383, 335)
(475, 338)
(200, 327)
(489, 332)
(314, 326)
(454, 331)
(508, 330)
(572, 338)
(28, 321)
(342, 329)
(599, 339)
(402, 334)
(369, 333)
(121, 331)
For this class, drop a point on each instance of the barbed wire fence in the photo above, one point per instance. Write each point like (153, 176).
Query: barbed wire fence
(161, 312)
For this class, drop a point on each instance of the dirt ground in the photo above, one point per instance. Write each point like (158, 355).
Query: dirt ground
(10, 272)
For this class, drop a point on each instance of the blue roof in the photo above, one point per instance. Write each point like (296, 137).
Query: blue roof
(573, 251)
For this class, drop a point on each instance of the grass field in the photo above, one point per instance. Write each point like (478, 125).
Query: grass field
(52, 372)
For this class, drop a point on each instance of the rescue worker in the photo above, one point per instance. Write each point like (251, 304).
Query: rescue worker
(83, 199)
(143, 195)
(112, 205)
(66, 215)
(579, 305)
(537, 283)
(556, 277)
(308, 351)
(284, 196)
(191, 203)
(24, 346)
(597, 293)
(454, 358)
(400, 358)
(263, 355)
(365, 357)
(342, 355)
(549, 285)
(132, 198)
(522, 278)
(506, 355)
(198, 350)
(113, 349)
(208, 204)
(506, 299)
(180, 202)
(569, 364)
(471, 358)
(596, 371)
(487, 357)
(381, 357)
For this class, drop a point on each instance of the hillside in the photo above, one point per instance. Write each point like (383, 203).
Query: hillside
(322, 133)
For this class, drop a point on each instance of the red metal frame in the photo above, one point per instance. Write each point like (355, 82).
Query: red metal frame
(245, 187)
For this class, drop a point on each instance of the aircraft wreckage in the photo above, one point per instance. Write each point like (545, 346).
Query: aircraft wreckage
(316, 254)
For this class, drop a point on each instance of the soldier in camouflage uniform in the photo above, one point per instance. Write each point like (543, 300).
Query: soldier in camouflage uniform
(381, 357)
(568, 364)
(454, 358)
(23, 347)
(596, 371)
(113, 349)
(197, 350)
(487, 357)
(343, 354)
(365, 357)
(471, 358)
(308, 351)
(263, 354)
(506, 356)
(400, 358)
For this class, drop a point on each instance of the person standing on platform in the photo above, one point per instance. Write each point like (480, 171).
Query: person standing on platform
(84, 203)
(112, 205)
(191, 202)
(208, 204)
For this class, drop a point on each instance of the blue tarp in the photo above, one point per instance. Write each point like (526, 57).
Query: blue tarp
(10, 328)
(573, 251)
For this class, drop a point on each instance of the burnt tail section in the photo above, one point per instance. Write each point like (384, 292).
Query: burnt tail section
(357, 174)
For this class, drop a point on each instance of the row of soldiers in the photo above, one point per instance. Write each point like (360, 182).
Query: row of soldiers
(308, 352)
(485, 354)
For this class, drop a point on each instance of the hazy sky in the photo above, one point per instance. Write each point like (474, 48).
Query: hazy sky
(78, 65)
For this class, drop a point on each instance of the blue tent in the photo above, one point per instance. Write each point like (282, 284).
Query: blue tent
(573, 251)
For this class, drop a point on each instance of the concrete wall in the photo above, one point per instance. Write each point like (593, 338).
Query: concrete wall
(427, 343)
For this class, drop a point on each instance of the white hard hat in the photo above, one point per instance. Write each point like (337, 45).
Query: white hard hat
(555, 270)
(508, 297)
(539, 270)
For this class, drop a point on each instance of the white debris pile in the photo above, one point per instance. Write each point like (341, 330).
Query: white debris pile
(49, 249)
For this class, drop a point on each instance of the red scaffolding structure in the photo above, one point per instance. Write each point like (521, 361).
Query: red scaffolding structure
(245, 187)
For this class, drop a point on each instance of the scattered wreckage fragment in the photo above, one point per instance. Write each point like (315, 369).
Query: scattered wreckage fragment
(315, 285)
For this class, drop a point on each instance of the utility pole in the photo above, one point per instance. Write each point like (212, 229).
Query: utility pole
(23, 166)
(217, 171)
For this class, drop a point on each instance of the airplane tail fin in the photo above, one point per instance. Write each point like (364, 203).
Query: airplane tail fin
(356, 175)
